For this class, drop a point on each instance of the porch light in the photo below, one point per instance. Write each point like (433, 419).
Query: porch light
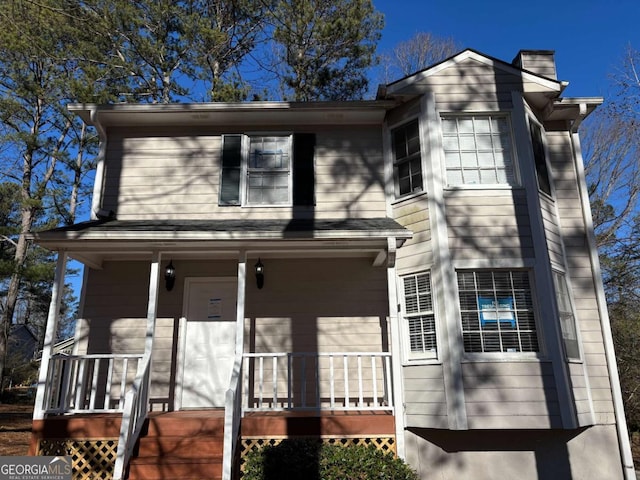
(259, 274)
(169, 276)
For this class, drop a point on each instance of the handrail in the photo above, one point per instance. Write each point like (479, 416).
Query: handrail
(135, 414)
(232, 414)
(72, 382)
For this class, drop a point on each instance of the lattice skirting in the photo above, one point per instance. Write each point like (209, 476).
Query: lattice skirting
(92, 459)
(386, 444)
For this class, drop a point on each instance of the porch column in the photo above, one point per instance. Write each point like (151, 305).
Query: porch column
(50, 335)
(242, 282)
(152, 304)
(396, 352)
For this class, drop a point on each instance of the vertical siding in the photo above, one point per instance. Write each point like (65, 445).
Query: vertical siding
(417, 252)
(485, 224)
(580, 275)
(172, 174)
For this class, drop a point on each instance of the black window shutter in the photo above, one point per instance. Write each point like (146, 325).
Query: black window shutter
(303, 169)
(231, 168)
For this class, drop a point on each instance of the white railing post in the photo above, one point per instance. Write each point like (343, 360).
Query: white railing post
(50, 336)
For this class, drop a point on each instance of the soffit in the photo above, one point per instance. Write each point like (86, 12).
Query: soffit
(259, 113)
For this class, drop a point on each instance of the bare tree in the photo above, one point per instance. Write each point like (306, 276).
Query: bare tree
(419, 52)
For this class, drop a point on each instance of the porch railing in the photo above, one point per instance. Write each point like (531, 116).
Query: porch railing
(89, 383)
(317, 381)
(232, 415)
(135, 414)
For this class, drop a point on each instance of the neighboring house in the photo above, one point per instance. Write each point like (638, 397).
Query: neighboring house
(418, 272)
(22, 344)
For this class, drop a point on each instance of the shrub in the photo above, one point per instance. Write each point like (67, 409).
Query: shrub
(304, 459)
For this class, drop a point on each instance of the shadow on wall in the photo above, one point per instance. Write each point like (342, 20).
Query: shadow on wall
(549, 448)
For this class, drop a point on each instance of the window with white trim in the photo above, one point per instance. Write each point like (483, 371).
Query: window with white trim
(407, 164)
(567, 318)
(478, 150)
(539, 157)
(418, 313)
(497, 311)
(267, 169)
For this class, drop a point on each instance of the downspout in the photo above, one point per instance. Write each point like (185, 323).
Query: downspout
(98, 183)
(609, 349)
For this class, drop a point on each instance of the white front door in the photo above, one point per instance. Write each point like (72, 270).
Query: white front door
(209, 341)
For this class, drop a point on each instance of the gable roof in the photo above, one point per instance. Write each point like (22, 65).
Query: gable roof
(539, 82)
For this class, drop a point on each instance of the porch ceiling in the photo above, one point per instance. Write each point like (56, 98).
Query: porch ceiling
(93, 242)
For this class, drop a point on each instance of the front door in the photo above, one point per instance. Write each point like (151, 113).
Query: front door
(208, 341)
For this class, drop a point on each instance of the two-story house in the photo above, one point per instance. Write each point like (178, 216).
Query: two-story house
(417, 272)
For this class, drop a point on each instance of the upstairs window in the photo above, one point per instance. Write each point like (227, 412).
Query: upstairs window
(497, 311)
(478, 150)
(540, 158)
(567, 318)
(418, 312)
(407, 164)
(270, 170)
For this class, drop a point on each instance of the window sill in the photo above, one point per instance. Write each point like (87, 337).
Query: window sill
(416, 362)
(504, 357)
(410, 196)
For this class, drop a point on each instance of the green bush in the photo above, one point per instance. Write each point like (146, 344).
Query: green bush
(299, 459)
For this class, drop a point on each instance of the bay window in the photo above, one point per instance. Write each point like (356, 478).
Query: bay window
(478, 150)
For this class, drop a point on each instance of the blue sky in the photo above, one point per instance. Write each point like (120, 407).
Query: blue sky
(589, 37)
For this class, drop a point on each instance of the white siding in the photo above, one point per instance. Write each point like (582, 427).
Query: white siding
(417, 252)
(425, 399)
(510, 395)
(488, 224)
(580, 276)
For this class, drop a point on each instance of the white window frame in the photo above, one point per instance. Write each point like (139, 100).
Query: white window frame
(246, 169)
(543, 134)
(396, 163)
(501, 315)
(411, 355)
(515, 174)
(566, 316)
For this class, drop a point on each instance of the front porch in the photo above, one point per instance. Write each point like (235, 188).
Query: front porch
(314, 337)
(190, 444)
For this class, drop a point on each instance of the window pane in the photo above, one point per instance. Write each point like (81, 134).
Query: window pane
(497, 311)
(268, 170)
(482, 140)
(465, 125)
(471, 177)
(418, 311)
(452, 159)
(408, 167)
(454, 177)
(449, 125)
(451, 143)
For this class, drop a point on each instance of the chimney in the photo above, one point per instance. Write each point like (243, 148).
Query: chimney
(540, 62)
